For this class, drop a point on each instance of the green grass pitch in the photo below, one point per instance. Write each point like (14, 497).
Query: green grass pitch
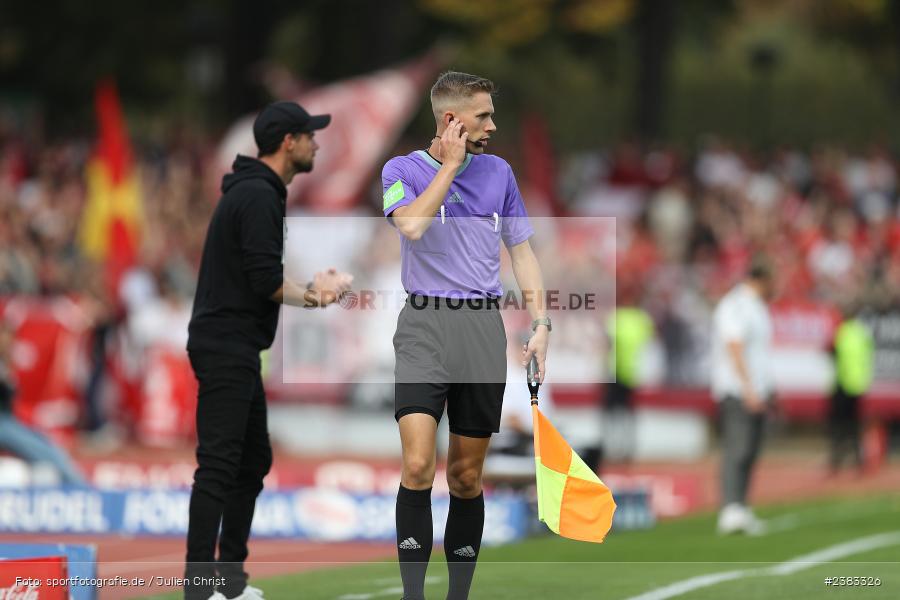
(633, 563)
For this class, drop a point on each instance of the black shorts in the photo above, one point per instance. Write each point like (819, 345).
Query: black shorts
(451, 351)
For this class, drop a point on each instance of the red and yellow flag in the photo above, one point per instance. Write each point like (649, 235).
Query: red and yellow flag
(111, 221)
(572, 500)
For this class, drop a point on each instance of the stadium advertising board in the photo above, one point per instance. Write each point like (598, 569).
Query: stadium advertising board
(308, 514)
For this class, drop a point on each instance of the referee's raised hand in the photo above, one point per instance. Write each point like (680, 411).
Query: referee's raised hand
(453, 142)
(330, 285)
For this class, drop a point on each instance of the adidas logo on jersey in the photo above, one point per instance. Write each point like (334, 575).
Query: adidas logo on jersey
(409, 544)
(467, 552)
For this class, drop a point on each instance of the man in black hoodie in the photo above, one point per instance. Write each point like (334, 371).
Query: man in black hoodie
(239, 292)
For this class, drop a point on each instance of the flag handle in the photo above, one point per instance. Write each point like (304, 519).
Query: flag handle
(533, 385)
(533, 382)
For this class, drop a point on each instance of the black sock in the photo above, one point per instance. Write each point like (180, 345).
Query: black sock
(462, 539)
(414, 538)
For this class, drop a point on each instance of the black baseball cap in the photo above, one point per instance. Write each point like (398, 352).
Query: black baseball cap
(280, 118)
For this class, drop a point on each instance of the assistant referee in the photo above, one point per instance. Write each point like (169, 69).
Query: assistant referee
(239, 292)
(453, 204)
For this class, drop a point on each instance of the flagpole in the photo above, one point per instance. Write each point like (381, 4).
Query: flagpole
(533, 385)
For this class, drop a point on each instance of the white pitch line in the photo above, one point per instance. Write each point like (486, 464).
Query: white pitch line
(788, 567)
(396, 579)
(391, 591)
(813, 516)
(831, 553)
(127, 567)
(782, 523)
(688, 585)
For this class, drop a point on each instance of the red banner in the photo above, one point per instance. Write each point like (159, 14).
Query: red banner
(50, 366)
(34, 579)
(48, 338)
(368, 114)
(803, 324)
(168, 400)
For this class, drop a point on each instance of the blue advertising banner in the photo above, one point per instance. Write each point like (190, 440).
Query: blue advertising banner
(307, 513)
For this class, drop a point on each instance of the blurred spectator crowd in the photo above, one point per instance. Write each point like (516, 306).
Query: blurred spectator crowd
(42, 196)
(686, 228)
(829, 218)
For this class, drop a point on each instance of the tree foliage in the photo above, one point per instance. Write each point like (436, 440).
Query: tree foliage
(591, 67)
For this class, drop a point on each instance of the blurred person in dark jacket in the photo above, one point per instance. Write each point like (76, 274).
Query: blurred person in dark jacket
(99, 434)
(240, 290)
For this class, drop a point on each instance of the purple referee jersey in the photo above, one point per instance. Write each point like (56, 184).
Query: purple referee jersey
(459, 254)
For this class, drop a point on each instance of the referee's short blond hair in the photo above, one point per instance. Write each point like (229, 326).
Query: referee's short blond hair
(453, 87)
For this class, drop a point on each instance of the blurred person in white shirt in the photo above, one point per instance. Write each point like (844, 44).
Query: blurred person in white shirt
(161, 320)
(742, 385)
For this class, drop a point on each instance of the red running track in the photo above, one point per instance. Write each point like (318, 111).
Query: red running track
(164, 557)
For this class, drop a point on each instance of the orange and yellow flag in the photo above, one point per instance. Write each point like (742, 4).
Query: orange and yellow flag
(572, 500)
(111, 222)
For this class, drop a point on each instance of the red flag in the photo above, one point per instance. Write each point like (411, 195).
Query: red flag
(368, 114)
(110, 225)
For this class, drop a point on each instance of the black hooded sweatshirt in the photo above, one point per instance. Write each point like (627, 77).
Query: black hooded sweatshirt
(242, 265)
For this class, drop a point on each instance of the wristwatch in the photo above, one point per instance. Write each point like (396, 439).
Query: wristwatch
(541, 321)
